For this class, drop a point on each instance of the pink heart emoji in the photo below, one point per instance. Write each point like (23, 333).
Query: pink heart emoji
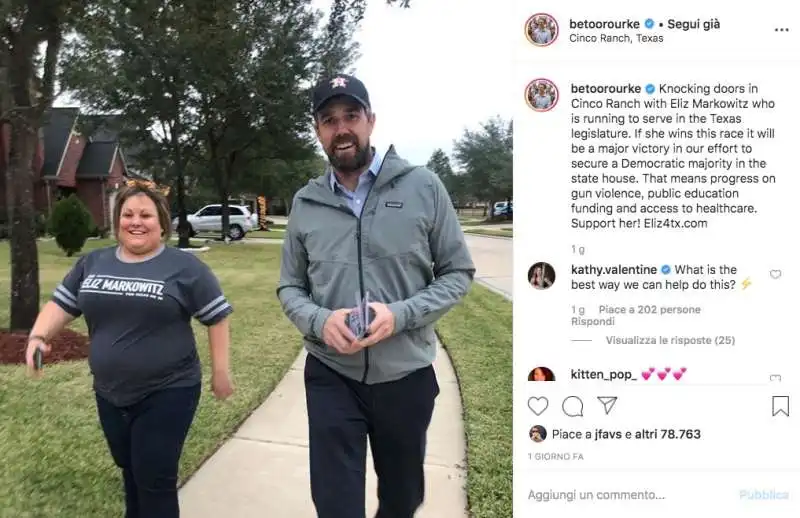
(683, 369)
(652, 369)
(662, 375)
(646, 375)
(667, 369)
(678, 375)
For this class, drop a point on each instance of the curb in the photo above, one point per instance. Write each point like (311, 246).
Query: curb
(490, 237)
(494, 289)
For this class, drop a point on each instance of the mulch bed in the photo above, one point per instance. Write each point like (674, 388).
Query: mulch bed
(68, 345)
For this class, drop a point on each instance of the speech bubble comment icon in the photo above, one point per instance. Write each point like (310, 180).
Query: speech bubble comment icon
(572, 406)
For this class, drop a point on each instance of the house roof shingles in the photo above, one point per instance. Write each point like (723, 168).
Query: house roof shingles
(96, 160)
(112, 128)
(57, 129)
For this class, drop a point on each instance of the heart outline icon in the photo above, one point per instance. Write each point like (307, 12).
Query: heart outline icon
(537, 400)
(646, 375)
(662, 375)
(775, 274)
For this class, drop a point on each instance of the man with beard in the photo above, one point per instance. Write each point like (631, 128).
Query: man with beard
(378, 228)
(542, 35)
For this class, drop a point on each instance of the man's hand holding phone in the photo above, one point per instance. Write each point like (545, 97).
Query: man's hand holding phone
(351, 329)
(381, 325)
(336, 332)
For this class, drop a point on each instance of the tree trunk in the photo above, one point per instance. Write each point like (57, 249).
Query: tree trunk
(226, 211)
(180, 199)
(25, 121)
(226, 172)
(223, 190)
(22, 223)
(180, 187)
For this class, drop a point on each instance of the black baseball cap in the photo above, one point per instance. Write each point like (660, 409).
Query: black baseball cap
(340, 85)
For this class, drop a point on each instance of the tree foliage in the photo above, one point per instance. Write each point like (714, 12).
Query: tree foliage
(253, 105)
(439, 163)
(484, 164)
(219, 85)
(338, 51)
(134, 59)
(486, 158)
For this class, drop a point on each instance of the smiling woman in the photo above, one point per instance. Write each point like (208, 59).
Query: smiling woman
(138, 299)
(141, 222)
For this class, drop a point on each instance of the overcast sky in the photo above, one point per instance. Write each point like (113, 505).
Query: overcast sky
(435, 69)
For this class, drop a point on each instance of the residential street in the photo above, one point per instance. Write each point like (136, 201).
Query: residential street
(494, 260)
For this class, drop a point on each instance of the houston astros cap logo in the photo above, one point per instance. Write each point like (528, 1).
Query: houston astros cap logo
(339, 82)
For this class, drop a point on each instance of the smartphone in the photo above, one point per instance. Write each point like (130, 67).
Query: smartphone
(37, 359)
(361, 317)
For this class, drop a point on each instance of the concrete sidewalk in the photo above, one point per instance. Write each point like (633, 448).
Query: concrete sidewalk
(263, 470)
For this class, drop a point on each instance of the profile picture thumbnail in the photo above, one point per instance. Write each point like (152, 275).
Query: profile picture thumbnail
(541, 29)
(541, 95)
(541, 374)
(538, 433)
(541, 275)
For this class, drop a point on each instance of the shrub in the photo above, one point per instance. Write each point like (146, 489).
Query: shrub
(41, 225)
(70, 224)
(100, 232)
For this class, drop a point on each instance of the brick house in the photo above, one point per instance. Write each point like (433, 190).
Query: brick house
(91, 166)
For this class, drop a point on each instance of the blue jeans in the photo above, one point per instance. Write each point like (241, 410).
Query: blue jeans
(146, 440)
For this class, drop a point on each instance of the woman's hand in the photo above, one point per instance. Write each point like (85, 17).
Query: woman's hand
(35, 343)
(221, 385)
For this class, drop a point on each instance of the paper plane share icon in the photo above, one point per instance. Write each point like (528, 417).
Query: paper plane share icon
(608, 402)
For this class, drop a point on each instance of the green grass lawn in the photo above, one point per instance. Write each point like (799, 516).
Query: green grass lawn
(501, 232)
(53, 457)
(477, 335)
(274, 233)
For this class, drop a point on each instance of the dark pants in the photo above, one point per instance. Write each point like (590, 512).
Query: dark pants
(341, 414)
(146, 440)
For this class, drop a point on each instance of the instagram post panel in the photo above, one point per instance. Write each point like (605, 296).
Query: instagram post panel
(399, 259)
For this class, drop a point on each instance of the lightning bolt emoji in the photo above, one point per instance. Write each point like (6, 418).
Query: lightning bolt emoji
(746, 283)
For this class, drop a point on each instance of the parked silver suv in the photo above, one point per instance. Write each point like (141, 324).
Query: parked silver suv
(209, 219)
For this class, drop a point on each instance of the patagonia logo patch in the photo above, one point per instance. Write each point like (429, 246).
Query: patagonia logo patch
(394, 204)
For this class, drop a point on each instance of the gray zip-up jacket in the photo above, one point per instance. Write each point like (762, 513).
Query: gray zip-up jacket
(407, 249)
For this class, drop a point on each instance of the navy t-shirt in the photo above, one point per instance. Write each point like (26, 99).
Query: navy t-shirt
(139, 318)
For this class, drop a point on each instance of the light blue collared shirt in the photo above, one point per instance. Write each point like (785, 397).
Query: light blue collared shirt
(542, 36)
(542, 101)
(355, 200)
